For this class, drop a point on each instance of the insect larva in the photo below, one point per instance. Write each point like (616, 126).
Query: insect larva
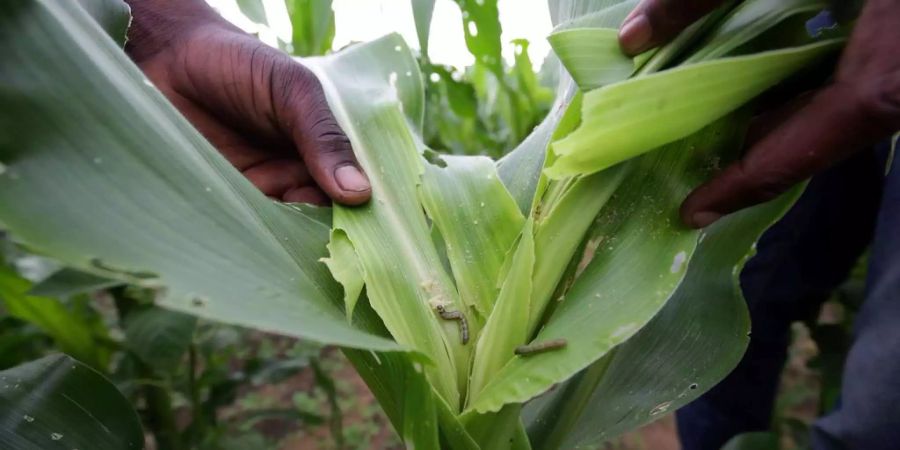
(540, 347)
(457, 316)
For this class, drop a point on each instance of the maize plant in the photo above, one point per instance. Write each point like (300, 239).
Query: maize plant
(551, 299)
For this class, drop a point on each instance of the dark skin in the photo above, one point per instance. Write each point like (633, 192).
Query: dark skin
(266, 113)
(858, 109)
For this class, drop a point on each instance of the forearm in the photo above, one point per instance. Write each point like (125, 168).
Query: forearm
(157, 23)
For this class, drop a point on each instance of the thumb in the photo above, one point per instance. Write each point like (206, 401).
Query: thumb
(302, 110)
(656, 22)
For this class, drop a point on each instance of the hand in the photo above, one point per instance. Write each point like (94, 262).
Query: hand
(860, 108)
(266, 113)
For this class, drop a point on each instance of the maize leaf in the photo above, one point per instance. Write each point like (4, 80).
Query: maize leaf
(640, 256)
(58, 402)
(478, 220)
(674, 104)
(125, 188)
(402, 270)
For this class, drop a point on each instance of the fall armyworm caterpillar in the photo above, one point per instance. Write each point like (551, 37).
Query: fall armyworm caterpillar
(457, 316)
(540, 347)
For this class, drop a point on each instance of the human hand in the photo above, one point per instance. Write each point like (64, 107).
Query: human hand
(266, 113)
(859, 108)
(656, 22)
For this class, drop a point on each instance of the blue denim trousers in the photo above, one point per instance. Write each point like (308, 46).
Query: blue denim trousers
(800, 261)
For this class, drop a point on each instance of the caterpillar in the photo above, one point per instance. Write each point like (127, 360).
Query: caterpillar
(540, 347)
(457, 316)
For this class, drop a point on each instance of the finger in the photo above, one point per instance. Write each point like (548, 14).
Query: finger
(306, 194)
(774, 115)
(839, 121)
(278, 176)
(325, 148)
(655, 22)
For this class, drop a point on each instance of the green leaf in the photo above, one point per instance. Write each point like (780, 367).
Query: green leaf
(507, 326)
(496, 431)
(68, 282)
(399, 383)
(254, 10)
(135, 193)
(72, 332)
(561, 229)
(402, 270)
(313, 26)
(526, 80)
(612, 299)
(335, 419)
(478, 220)
(481, 27)
(591, 13)
(593, 56)
(160, 338)
(420, 430)
(749, 20)
(423, 10)
(674, 104)
(686, 349)
(114, 16)
(452, 121)
(58, 403)
(342, 263)
(521, 169)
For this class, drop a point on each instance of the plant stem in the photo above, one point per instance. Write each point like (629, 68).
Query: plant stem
(160, 418)
(199, 420)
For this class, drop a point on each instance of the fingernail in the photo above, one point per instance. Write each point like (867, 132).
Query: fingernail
(350, 178)
(636, 34)
(705, 219)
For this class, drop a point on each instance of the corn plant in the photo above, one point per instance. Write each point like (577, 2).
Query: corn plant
(550, 299)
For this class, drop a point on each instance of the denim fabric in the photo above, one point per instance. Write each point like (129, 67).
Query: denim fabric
(800, 261)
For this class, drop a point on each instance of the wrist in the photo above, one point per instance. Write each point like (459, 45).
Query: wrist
(159, 24)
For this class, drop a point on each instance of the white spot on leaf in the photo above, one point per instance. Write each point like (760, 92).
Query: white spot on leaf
(624, 331)
(678, 262)
(392, 79)
(660, 408)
